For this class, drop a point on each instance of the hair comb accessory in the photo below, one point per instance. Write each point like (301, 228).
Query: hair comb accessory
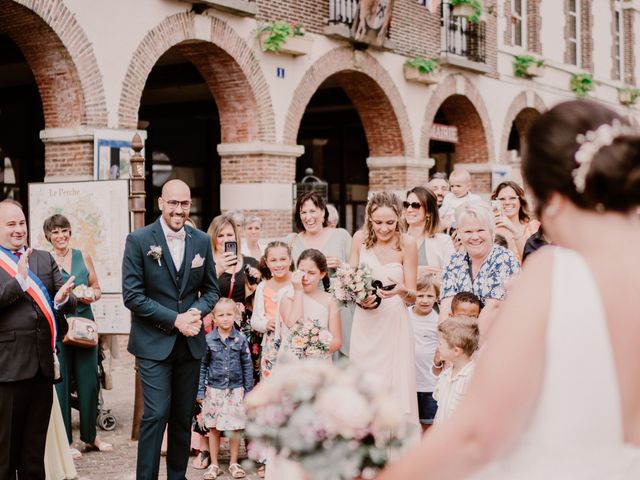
(591, 143)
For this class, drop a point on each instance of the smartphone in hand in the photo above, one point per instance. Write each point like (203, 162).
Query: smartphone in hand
(231, 247)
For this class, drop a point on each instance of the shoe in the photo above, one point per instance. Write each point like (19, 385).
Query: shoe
(237, 471)
(75, 453)
(202, 460)
(100, 446)
(212, 473)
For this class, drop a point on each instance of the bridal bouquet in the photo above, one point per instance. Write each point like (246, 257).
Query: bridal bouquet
(336, 422)
(351, 285)
(310, 340)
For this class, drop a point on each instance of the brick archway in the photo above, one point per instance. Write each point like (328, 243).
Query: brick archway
(372, 92)
(522, 111)
(464, 107)
(61, 59)
(226, 63)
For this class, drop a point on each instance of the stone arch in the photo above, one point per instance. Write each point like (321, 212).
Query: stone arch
(372, 92)
(225, 61)
(524, 108)
(466, 106)
(61, 59)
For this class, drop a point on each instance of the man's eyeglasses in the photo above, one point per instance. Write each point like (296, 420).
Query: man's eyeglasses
(174, 204)
(414, 205)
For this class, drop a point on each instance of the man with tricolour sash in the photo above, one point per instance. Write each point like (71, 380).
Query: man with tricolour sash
(32, 300)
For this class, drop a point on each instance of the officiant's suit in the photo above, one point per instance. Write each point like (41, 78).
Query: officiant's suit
(156, 291)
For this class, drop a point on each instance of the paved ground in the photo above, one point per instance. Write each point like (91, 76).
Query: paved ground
(120, 464)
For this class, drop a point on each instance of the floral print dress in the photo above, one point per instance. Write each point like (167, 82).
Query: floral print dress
(489, 281)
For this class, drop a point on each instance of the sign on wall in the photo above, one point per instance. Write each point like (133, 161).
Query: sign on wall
(111, 153)
(444, 133)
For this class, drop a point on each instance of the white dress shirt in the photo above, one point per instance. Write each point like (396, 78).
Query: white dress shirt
(176, 246)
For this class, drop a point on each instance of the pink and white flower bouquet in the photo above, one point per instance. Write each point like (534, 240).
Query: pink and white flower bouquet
(310, 340)
(335, 421)
(351, 285)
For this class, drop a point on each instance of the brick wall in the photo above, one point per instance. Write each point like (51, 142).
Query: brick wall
(275, 223)
(397, 178)
(508, 31)
(257, 169)
(534, 24)
(68, 159)
(481, 182)
(629, 16)
(586, 34)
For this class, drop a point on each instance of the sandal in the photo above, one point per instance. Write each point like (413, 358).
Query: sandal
(237, 471)
(212, 473)
(75, 453)
(202, 460)
(100, 446)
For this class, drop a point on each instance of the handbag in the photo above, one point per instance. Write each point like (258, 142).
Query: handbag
(82, 333)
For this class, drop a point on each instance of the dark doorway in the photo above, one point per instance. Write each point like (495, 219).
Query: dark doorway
(21, 120)
(336, 149)
(183, 130)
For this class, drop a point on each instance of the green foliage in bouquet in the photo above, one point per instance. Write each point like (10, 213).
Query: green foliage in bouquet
(424, 65)
(581, 83)
(476, 5)
(629, 95)
(277, 33)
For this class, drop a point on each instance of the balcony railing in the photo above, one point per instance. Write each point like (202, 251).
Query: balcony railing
(461, 37)
(342, 12)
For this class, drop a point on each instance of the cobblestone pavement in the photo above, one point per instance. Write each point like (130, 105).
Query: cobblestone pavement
(120, 464)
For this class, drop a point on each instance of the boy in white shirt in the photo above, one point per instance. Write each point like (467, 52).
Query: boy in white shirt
(459, 185)
(458, 338)
(425, 329)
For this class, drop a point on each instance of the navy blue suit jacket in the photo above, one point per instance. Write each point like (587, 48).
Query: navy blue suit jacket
(155, 293)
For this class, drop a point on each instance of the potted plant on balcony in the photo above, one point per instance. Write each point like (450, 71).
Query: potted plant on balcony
(422, 70)
(284, 37)
(527, 66)
(581, 83)
(628, 95)
(472, 9)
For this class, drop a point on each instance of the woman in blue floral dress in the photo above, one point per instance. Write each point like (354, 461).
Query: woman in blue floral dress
(482, 267)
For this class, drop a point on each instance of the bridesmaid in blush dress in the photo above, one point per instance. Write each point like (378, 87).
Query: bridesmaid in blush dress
(382, 338)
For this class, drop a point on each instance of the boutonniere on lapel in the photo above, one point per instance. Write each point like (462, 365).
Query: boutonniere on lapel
(155, 252)
(197, 261)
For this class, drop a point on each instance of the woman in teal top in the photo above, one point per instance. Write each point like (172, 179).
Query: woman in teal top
(76, 362)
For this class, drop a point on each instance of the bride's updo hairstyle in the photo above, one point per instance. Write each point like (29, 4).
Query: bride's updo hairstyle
(587, 153)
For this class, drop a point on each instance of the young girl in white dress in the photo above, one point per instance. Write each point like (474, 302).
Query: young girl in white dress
(308, 302)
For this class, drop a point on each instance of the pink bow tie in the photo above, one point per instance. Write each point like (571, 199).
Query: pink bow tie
(176, 235)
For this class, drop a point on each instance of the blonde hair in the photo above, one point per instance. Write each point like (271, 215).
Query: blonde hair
(462, 332)
(225, 301)
(378, 200)
(426, 281)
(480, 211)
(217, 224)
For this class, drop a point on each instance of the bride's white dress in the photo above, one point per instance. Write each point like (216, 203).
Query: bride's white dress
(576, 430)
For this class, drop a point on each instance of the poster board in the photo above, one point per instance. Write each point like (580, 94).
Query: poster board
(99, 215)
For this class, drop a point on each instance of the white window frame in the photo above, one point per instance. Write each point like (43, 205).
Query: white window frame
(619, 36)
(522, 18)
(577, 39)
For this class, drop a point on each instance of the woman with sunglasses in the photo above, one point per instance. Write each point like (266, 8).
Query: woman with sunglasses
(420, 211)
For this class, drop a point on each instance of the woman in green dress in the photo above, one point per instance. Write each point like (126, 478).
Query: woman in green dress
(78, 363)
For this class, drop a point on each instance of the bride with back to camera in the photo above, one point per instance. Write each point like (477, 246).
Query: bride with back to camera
(556, 393)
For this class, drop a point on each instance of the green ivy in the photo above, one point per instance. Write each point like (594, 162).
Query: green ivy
(522, 62)
(277, 34)
(476, 5)
(634, 94)
(581, 83)
(423, 65)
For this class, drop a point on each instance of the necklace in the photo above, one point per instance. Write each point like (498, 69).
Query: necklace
(63, 256)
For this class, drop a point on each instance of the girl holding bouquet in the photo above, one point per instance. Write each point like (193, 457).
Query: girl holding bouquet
(275, 266)
(309, 312)
(382, 338)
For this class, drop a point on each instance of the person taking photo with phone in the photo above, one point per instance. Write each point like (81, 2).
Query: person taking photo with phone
(235, 280)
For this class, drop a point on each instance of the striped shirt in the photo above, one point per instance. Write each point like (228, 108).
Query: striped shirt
(450, 389)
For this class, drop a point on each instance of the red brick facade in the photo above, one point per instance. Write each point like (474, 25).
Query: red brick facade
(372, 92)
(463, 107)
(228, 65)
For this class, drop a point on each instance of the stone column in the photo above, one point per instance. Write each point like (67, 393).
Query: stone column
(257, 178)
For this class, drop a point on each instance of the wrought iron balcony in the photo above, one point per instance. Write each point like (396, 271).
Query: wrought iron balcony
(461, 37)
(342, 12)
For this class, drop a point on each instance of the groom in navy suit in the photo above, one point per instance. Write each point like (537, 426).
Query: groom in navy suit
(169, 284)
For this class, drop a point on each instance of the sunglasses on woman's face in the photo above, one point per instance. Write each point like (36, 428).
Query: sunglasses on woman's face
(414, 205)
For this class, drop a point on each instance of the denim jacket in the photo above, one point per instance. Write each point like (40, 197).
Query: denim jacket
(226, 363)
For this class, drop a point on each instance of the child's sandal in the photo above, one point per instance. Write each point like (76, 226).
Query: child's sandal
(237, 471)
(202, 460)
(212, 473)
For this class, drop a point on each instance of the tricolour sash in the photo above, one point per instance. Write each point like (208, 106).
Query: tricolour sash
(35, 289)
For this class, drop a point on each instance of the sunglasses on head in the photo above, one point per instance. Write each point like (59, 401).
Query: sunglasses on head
(414, 205)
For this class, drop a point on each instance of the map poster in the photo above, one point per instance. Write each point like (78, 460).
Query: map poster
(99, 215)
(111, 315)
